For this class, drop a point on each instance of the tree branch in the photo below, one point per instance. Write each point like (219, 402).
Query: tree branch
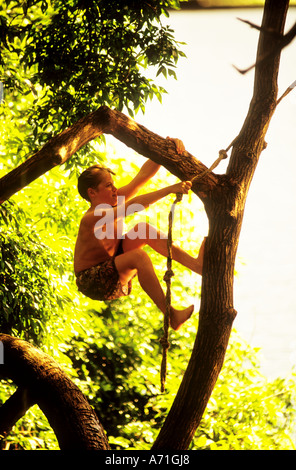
(61, 147)
(281, 41)
(264, 100)
(72, 418)
(14, 409)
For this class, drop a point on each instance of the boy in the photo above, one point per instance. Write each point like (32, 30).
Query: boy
(105, 259)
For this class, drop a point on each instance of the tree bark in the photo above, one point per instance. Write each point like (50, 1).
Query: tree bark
(41, 380)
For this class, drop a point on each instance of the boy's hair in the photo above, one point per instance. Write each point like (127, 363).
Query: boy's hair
(90, 178)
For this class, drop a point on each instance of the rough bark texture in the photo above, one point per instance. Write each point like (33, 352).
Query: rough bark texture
(41, 380)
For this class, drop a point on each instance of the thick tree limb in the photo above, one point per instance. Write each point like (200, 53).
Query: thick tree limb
(14, 409)
(73, 420)
(61, 147)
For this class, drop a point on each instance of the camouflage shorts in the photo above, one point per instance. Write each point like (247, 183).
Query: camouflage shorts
(102, 282)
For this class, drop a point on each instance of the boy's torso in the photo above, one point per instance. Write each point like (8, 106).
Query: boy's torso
(90, 251)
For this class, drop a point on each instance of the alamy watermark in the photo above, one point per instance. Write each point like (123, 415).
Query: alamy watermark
(110, 226)
(1, 353)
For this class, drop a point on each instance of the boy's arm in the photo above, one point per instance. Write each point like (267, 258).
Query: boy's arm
(106, 216)
(144, 200)
(148, 170)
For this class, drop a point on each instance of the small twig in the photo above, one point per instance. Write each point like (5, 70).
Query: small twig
(283, 41)
(260, 28)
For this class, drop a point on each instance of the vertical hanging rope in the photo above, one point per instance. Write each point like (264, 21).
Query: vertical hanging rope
(167, 278)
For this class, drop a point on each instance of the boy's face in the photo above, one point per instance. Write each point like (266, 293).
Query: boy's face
(105, 192)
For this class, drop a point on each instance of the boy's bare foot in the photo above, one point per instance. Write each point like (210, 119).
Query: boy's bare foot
(178, 317)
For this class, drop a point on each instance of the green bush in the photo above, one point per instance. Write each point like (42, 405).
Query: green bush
(30, 278)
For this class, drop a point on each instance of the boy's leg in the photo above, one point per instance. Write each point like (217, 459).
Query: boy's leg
(149, 235)
(138, 261)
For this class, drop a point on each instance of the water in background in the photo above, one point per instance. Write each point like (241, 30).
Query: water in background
(206, 108)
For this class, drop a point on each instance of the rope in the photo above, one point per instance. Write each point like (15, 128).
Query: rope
(164, 341)
(290, 88)
(167, 278)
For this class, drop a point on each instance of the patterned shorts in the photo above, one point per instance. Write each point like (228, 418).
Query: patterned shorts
(102, 282)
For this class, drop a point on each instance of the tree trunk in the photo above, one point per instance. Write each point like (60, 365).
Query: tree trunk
(41, 380)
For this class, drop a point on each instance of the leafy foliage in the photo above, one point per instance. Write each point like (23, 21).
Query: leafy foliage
(30, 271)
(66, 55)
(246, 411)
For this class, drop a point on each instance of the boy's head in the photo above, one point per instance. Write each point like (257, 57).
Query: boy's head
(91, 178)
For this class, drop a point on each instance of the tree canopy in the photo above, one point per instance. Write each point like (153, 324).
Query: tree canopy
(64, 56)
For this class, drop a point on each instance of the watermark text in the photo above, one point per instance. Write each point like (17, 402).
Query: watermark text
(111, 222)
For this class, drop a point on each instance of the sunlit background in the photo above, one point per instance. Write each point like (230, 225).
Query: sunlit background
(206, 108)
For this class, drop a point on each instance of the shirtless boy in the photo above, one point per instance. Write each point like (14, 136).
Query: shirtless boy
(105, 259)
